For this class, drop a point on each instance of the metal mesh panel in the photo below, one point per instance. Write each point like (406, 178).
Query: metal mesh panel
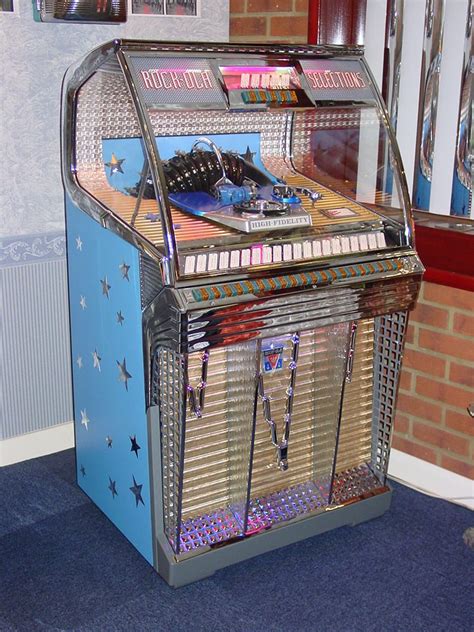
(388, 350)
(170, 370)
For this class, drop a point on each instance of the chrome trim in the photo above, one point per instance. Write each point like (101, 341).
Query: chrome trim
(74, 79)
(170, 262)
(429, 89)
(393, 59)
(397, 159)
(464, 139)
(171, 321)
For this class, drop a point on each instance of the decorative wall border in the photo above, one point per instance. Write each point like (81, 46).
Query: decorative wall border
(26, 249)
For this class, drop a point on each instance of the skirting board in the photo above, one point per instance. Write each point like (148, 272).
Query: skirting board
(431, 479)
(404, 468)
(35, 444)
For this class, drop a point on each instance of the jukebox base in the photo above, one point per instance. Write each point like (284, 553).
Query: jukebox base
(199, 566)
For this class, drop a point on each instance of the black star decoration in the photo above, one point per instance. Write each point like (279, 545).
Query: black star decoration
(115, 164)
(82, 470)
(137, 491)
(248, 156)
(124, 268)
(113, 487)
(124, 375)
(135, 447)
(105, 286)
(120, 317)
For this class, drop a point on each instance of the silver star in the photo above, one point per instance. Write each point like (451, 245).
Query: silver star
(109, 441)
(85, 421)
(79, 243)
(124, 375)
(96, 359)
(105, 286)
(120, 318)
(82, 302)
(79, 362)
(115, 164)
(124, 268)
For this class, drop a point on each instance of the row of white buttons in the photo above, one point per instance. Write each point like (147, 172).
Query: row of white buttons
(262, 254)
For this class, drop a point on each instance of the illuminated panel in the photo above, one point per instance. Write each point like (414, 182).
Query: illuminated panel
(176, 81)
(337, 80)
(264, 85)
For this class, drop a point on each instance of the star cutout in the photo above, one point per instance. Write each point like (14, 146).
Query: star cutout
(135, 447)
(82, 302)
(96, 359)
(115, 164)
(85, 421)
(79, 362)
(82, 470)
(79, 243)
(248, 156)
(109, 441)
(124, 268)
(113, 487)
(120, 318)
(124, 375)
(105, 286)
(137, 490)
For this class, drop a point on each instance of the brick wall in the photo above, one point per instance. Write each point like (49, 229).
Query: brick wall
(437, 381)
(269, 21)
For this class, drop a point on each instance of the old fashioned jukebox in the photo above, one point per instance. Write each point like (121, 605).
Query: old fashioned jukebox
(241, 266)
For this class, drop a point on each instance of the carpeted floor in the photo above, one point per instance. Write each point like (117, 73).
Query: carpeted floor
(63, 566)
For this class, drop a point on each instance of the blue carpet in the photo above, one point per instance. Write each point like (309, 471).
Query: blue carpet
(63, 566)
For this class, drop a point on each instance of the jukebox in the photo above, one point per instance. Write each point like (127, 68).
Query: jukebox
(241, 266)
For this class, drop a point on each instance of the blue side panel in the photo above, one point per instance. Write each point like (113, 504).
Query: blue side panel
(109, 391)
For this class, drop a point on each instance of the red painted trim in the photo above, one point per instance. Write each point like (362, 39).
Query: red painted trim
(313, 21)
(447, 255)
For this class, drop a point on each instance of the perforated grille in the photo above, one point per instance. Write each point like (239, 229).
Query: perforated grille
(170, 371)
(388, 349)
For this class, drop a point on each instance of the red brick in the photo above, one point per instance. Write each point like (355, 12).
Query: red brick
(459, 467)
(410, 336)
(415, 449)
(446, 344)
(440, 438)
(462, 375)
(463, 325)
(443, 295)
(461, 422)
(406, 380)
(430, 315)
(248, 26)
(237, 6)
(269, 6)
(419, 408)
(443, 392)
(424, 362)
(301, 6)
(289, 26)
(402, 423)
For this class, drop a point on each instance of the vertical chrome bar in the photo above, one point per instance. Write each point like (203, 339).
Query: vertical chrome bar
(256, 399)
(182, 437)
(351, 341)
(461, 197)
(428, 103)
(143, 178)
(393, 59)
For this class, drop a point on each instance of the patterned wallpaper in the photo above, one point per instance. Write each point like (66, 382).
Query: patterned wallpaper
(34, 59)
